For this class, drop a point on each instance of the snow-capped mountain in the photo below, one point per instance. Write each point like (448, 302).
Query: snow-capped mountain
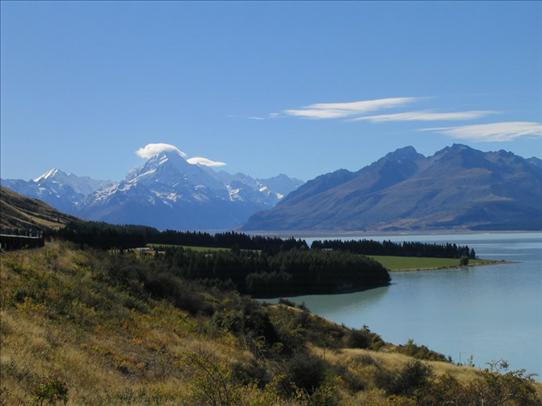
(166, 192)
(64, 191)
(169, 192)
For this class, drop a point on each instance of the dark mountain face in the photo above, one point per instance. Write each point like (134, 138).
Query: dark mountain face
(456, 188)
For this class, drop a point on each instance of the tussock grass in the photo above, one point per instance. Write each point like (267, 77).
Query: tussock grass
(72, 331)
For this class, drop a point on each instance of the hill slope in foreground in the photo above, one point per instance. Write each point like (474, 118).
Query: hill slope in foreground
(91, 327)
(18, 211)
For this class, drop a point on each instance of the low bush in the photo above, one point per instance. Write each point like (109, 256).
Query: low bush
(421, 352)
(51, 391)
(412, 377)
(303, 371)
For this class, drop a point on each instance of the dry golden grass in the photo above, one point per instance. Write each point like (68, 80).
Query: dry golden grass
(60, 322)
(395, 361)
(135, 358)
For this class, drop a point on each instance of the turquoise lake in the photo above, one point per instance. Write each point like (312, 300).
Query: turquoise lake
(488, 312)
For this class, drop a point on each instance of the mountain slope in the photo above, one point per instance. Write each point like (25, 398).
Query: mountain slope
(65, 192)
(456, 188)
(18, 211)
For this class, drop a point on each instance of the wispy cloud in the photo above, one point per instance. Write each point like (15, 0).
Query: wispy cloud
(199, 160)
(503, 131)
(266, 116)
(425, 116)
(347, 109)
(150, 150)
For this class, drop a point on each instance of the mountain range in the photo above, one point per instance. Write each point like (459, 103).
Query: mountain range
(166, 192)
(456, 188)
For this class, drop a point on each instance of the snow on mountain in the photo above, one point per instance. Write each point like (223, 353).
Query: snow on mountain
(64, 191)
(80, 184)
(167, 191)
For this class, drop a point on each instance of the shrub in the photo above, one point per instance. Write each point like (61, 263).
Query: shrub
(212, 384)
(364, 338)
(359, 339)
(499, 386)
(413, 376)
(303, 371)
(165, 286)
(421, 352)
(51, 391)
(246, 373)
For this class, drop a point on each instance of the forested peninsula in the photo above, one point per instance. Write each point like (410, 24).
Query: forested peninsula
(262, 266)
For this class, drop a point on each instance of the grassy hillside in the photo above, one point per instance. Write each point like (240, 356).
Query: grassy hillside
(91, 327)
(22, 212)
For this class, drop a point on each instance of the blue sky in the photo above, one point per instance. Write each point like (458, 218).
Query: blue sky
(300, 88)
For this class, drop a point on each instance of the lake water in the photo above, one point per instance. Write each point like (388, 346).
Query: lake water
(487, 312)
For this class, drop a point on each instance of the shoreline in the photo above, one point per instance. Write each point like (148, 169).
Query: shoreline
(318, 234)
(336, 292)
(484, 262)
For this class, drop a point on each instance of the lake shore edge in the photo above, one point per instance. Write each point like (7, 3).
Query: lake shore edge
(482, 262)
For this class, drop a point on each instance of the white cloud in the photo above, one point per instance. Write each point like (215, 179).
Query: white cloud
(347, 109)
(199, 160)
(266, 116)
(315, 113)
(425, 116)
(503, 131)
(150, 150)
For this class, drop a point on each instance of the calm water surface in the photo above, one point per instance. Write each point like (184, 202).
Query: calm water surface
(488, 312)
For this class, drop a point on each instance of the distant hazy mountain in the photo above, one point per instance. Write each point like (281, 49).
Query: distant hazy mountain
(456, 188)
(66, 192)
(166, 192)
(281, 184)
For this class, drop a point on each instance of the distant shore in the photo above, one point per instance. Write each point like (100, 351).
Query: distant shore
(437, 267)
(376, 233)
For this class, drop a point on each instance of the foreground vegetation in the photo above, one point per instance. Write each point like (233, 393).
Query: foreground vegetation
(84, 326)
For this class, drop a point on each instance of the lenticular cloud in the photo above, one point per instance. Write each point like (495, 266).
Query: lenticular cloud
(199, 160)
(150, 150)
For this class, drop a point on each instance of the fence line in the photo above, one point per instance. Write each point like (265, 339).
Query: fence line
(16, 238)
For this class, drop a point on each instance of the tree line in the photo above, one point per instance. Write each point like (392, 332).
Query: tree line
(258, 265)
(279, 274)
(107, 236)
(406, 248)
